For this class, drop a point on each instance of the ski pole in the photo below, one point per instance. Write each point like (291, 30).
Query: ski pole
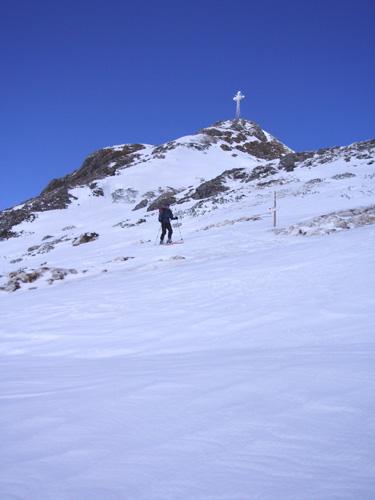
(157, 236)
(179, 224)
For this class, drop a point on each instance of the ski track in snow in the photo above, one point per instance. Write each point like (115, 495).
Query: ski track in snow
(238, 366)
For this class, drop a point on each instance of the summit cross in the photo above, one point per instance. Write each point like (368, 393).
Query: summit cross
(238, 98)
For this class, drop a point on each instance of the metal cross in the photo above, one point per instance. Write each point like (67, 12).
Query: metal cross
(238, 98)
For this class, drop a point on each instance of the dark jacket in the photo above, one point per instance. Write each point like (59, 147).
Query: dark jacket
(165, 215)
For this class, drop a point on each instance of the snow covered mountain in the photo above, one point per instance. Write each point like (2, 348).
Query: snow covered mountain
(233, 163)
(236, 365)
(241, 137)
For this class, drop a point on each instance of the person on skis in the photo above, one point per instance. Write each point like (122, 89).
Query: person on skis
(165, 217)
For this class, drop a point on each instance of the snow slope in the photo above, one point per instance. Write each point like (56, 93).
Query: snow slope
(238, 365)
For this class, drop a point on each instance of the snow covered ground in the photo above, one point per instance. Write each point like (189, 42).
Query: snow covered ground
(239, 365)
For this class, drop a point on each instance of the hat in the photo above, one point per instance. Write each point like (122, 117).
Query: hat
(167, 204)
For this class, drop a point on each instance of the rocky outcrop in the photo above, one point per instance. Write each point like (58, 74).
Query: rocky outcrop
(292, 160)
(85, 238)
(217, 185)
(100, 164)
(56, 196)
(167, 197)
(209, 189)
(17, 278)
(332, 223)
(359, 150)
(246, 136)
(141, 204)
(124, 195)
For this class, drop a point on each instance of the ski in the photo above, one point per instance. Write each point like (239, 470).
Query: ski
(173, 243)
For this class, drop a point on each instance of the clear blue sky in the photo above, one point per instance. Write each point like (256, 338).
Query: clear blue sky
(81, 75)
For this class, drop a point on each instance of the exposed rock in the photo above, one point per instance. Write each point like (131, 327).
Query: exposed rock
(246, 136)
(5, 234)
(48, 246)
(45, 248)
(267, 150)
(24, 277)
(345, 175)
(333, 222)
(217, 185)
(123, 224)
(124, 195)
(244, 175)
(122, 259)
(142, 204)
(16, 278)
(359, 150)
(167, 197)
(13, 217)
(98, 165)
(55, 196)
(292, 160)
(59, 274)
(209, 188)
(85, 238)
(126, 223)
(96, 191)
(315, 181)
(11, 286)
(159, 151)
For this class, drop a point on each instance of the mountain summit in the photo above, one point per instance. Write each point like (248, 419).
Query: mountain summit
(246, 136)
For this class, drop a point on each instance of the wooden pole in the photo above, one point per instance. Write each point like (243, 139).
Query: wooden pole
(274, 210)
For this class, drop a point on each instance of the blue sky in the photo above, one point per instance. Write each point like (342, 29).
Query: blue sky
(81, 75)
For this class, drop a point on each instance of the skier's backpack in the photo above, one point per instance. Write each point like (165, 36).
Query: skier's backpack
(160, 214)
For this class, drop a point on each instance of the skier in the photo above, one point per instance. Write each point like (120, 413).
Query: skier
(165, 217)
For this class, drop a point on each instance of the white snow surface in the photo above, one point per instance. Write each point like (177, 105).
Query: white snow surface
(239, 365)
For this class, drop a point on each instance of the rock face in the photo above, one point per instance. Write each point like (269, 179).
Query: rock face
(55, 195)
(98, 165)
(246, 136)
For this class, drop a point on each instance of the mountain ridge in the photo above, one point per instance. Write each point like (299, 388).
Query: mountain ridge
(232, 137)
